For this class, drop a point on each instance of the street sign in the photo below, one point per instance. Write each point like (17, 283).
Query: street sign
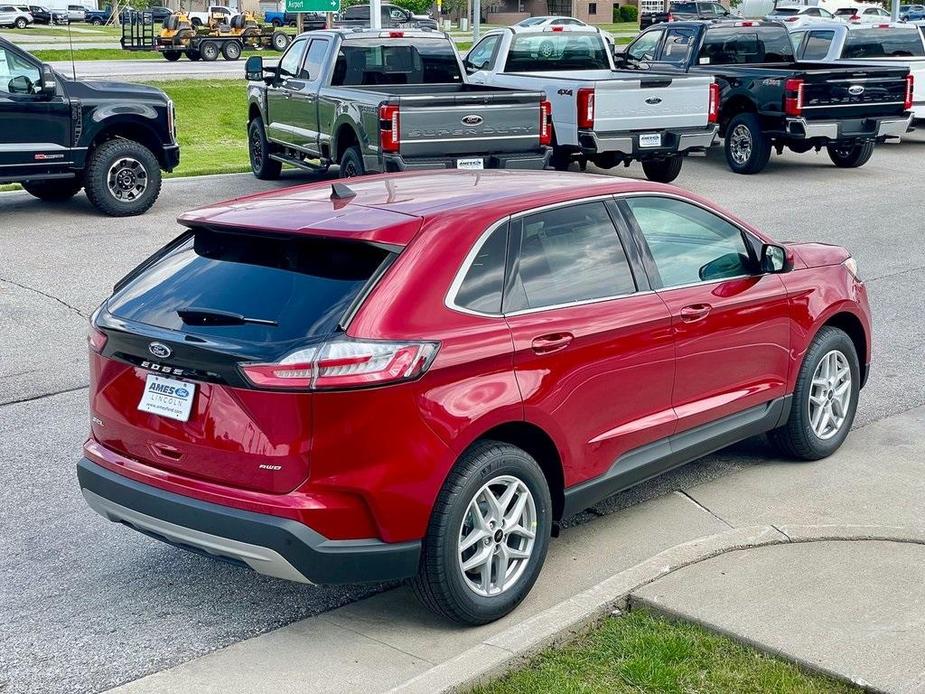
(312, 5)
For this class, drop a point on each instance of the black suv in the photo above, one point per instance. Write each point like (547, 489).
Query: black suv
(59, 135)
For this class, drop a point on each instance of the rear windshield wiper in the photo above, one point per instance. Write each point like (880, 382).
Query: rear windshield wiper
(209, 316)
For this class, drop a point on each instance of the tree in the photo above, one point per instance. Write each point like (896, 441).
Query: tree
(415, 6)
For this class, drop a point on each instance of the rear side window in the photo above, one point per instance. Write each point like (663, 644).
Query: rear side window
(817, 45)
(483, 285)
(678, 45)
(296, 287)
(732, 46)
(569, 254)
(882, 43)
(547, 51)
(685, 7)
(396, 61)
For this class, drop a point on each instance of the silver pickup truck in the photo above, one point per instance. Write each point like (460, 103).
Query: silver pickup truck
(600, 114)
(374, 101)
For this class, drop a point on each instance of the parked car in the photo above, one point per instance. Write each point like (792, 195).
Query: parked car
(911, 13)
(421, 375)
(98, 17)
(76, 13)
(769, 100)
(13, 16)
(900, 44)
(550, 21)
(311, 21)
(393, 17)
(386, 104)
(862, 13)
(43, 15)
(599, 115)
(796, 15)
(685, 10)
(60, 135)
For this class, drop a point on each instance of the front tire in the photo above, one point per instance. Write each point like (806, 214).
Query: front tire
(488, 535)
(351, 163)
(264, 168)
(850, 157)
(748, 149)
(54, 191)
(662, 170)
(123, 178)
(825, 399)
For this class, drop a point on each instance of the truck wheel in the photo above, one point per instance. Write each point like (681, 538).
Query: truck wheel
(54, 191)
(96, 21)
(209, 51)
(123, 178)
(662, 170)
(258, 146)
(276, 23)
(351, 164)
(279, 40)
(196, 22)
(560, 159)
(748, 149)
(231, 50)
(172, 56)
(193, 55)
(21, 23)
(488, 535)
(850, 156)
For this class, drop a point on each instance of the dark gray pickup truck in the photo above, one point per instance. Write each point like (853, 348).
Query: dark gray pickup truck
(374, 101)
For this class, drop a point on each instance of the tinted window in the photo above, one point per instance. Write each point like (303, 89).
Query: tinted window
(569, 254)
(732, 45)
(688, 243)
(556, 51)
(304, 284)
(12, 67)
(706, 10)
(481, 56)
(317, 50)
(289, 63)
(483, 284)
(399, 61)
(645, 46)
(684, 7)
(677, 46)
(817, 45)
(880, 43)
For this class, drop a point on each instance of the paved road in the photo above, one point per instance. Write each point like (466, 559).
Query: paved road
(88, 605)
(149, 69)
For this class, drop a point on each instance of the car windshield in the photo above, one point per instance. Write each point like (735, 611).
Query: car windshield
(736, 46)
(532, 21)
(883, 43)
(548, 51)
(369, 62)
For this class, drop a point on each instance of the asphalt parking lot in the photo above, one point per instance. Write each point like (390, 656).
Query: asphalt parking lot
(89, 605)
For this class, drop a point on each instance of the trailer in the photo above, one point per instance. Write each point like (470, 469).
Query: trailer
(178, 36)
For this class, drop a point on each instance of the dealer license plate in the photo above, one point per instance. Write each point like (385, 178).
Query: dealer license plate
(650, 140)
(470, 164)
(167, 397)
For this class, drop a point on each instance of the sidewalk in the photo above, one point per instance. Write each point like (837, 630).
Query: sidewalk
(823, 562)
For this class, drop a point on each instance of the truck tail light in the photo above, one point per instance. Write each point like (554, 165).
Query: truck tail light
(713, 106)
(96, 339)
(545, 123)
(388, 128)
(344, 363)
(396, 34)
(586, 107)
(793, 97)
(910, 84)
(744, 24)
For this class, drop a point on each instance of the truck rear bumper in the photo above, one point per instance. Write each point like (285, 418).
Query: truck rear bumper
(527, 160)
(627, 143)
(863, 128)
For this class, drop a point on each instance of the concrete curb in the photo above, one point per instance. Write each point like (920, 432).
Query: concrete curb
(508, 649)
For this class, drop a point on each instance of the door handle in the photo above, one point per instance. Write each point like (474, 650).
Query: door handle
(545, 344)
(695, 312)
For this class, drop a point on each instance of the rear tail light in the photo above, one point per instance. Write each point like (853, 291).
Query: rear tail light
(388, 128)
(545, 123)
(396, 34)
(792, 19)
(910, 84)
(883, 26)
(713, 107)
(558, 29)
(96, 339)
(855, 18)
(344, 363)
(744, 24)
(793, 97)
(586, 107)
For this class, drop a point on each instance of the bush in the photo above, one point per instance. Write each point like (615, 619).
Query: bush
(629, 13)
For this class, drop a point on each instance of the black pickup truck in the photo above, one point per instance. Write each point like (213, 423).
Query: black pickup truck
(59, 135)
(768, 99)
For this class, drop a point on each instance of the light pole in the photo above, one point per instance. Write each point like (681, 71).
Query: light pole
(375, 14)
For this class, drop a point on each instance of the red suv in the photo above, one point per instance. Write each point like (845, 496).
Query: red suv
(420, 374)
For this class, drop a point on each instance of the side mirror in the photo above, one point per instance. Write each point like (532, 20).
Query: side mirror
(49, 83)
(253, 68)
(21, 84)
(775, 259)
(620, 59)
(727, 265)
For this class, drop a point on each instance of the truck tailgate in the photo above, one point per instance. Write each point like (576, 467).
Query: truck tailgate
(651, 102)
(859, 91)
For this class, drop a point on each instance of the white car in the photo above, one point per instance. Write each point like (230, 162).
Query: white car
(550, 21)
(12, 16)
(862, 13)
(797, 15)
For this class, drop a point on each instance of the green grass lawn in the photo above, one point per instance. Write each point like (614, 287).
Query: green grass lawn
(639, 653)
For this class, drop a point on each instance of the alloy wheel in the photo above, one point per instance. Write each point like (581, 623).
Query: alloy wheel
(127, 179)
(740, 144)
(830, 395)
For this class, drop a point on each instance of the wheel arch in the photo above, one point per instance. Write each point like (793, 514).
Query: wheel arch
(345, 136)
(849, 323)
(129, 129)
(734, 105)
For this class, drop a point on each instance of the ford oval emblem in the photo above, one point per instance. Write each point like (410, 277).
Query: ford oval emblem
(472, 120)
(855, 90)
(160, 350)
(652, 100)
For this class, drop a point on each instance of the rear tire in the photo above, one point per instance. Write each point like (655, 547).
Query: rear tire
(799, 438)
(172, 56)
(97, 21)
(193, 55)
(663, 170)
(123, 178)
(351, 163)
(748, 149)
(850, 157)
(231, 50)
(561, 159)
(209, 51)
(54, 191)
(258, 146)
(477, 595)
(279, 40)
(276, 24)
(21, 23)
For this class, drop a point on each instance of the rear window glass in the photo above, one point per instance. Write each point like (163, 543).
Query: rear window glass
(733, 46)
(784, 12)
(298, 287)
(396, 61)
(883, 43)
(547, 51)
(684, 7)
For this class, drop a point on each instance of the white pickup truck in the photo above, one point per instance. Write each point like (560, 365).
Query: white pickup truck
(892, 44)
(600, 114)
(220, 13)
